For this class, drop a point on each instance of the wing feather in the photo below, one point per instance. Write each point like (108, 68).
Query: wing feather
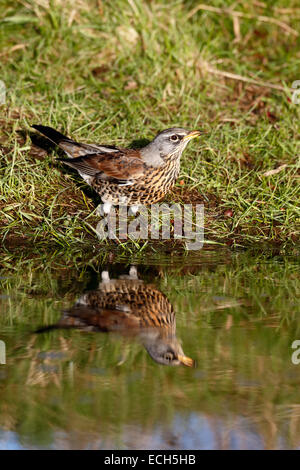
(121, 165)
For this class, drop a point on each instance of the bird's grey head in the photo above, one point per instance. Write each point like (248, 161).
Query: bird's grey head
(164, 350)
(168, 142)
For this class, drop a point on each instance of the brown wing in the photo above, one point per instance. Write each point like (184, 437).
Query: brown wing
(75, 149)
(119, 165)
(84, 317)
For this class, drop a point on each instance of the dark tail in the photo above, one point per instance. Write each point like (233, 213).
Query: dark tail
(53, 135)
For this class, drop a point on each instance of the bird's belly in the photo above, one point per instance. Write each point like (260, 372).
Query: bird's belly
(148, 189)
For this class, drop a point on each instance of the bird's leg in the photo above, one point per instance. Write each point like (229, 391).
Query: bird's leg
(133, 210)
(105, 276)
(104, 209)
(133, 272)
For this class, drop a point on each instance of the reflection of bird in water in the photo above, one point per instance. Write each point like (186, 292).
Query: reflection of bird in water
(129, 306)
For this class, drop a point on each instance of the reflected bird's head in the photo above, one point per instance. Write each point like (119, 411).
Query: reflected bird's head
(165, 350)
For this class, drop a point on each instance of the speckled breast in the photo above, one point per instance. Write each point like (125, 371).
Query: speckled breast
(150, 306)
(149, 189)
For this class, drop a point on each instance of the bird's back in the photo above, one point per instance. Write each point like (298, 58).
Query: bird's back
(122, 304)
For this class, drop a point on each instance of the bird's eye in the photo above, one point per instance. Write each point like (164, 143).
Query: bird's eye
(168, 357)
(174, 138)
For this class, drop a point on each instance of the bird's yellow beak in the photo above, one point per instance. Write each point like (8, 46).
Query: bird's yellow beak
(187, 361)
(191, 135)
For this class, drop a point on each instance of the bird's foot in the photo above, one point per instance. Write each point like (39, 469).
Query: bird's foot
(133, 210)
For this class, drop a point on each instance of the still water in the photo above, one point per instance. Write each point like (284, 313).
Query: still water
(165, 353)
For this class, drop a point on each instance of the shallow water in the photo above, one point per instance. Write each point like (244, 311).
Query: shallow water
(236, 314)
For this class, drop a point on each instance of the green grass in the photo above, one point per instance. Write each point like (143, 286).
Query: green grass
(115, 72)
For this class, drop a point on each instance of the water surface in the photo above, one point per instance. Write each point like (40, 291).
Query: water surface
(236, 316)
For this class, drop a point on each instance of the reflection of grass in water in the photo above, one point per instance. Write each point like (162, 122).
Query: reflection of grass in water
(237, 318)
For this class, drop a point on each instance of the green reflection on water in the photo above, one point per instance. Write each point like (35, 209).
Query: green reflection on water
(236, 315)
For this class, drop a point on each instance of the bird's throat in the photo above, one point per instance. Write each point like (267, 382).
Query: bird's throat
(151, 156)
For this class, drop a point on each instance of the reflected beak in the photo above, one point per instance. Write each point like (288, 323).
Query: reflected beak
(191, 135)
(187, 361)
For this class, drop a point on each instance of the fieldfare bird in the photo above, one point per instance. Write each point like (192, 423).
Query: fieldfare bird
(129, 177)
(132, 308)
